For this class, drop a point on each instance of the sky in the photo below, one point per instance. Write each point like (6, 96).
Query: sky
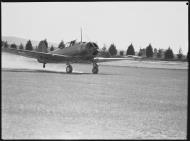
(161, 24)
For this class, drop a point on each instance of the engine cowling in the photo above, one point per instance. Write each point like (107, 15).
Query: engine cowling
(92, 48)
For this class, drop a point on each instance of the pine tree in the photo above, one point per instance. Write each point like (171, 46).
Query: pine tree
(140, 52)
(155, 52)
(104, 48)
(13, 46)
(46, 43)
(169, 54)
(21, 46)
(121, 53)
(104, 52)
(42, 46)
(149, 51)
(130, 50)
(112, 50)
(180, 54)
(52, 48)
(61, 45)
(159, 54)
(6, 44)
(29, 45)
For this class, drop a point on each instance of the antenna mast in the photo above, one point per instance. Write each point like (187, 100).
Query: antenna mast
(81, 35)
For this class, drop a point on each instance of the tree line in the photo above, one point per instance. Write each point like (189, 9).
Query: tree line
(147, 52)
(30, 47)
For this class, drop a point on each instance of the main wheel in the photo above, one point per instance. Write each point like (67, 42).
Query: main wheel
(95, 70)
(69, 69)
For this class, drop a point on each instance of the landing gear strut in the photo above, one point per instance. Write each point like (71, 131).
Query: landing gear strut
(69, 68)
(44, 65)
(95, 68)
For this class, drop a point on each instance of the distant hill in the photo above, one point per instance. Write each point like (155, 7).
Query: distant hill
(18, 41)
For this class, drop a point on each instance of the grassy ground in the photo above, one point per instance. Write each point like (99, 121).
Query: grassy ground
(118, 103)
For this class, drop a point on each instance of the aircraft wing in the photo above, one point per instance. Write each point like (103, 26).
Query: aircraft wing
(36, 54)
(102, 59)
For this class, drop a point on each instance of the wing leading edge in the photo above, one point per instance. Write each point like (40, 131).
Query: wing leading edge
(101, 59)
(35, 54)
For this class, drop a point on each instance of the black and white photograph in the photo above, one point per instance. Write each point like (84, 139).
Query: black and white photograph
(94, 70)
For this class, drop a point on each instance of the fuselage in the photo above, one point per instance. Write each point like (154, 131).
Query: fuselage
(80, 52)
(76, 49)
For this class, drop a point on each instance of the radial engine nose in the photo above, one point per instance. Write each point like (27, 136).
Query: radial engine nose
(93, 48)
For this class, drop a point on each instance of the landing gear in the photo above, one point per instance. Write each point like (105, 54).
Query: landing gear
(95, 68)
(69, 69)
(44, 65)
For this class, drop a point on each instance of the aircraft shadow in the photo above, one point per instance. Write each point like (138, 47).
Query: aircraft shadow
(50, 71)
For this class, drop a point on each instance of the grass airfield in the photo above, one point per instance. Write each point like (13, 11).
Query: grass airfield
(121, 102)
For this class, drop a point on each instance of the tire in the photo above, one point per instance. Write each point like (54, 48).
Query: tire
(95, 70)
(69, 69)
